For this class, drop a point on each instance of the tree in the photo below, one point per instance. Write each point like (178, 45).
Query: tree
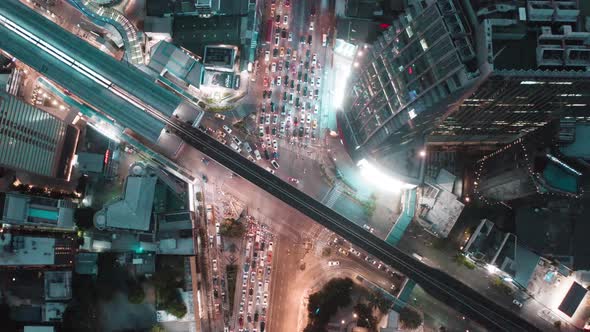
(378, 301)
(169, 298)
(232, 228)
(324, 304)
(410, 318)
(135, 292)
(84, 218)
(157, 328)
(365, 316)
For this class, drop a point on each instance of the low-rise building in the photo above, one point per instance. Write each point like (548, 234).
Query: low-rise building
(133, 212)
(438, 207)
(35, 251)
(38, 212)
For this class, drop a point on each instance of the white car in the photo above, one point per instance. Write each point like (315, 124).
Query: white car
(286, 20)
(275, 145)
(517, 303)
(333, 263)
(267, 121)
(317, 82)
(220, 116)
(235, 147)
(273, 67)
(311, 26)
(279, 81)
(274, 164)
(214, 265)
(369, 228)
(257, 155)
(227, 129)
(308, 118)
(316, 109)
(314, 59)
(272, 171)
(266, 55)
(290, 37)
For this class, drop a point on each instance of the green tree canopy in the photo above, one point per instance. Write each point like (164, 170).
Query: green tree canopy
(232, 228)
(365, 316)
(410, 318)
(323, 305)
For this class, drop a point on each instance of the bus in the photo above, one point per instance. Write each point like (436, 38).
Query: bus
(269, 27)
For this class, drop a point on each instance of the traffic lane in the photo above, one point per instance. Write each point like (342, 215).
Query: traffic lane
(437, 314)
(125, 76)
(438, 283)
(101, 98)
(296, 164)
(280, 287)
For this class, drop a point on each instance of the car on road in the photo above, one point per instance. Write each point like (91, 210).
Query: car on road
(286, 20)
(309, 38)
(227, 129)
(275, 145)
(317, 81)
(290, 37)
(275, 119)
(267, 119)
(355, 252)
(314, 124)
(277, 39)
(275, 52)
(311, 24)
(236, 140)
(308, 118)
(214, 262)
(235, 147)
(272, 171)
(517, 303)
(368, 228)
(333, 263)
(314, 59)
(219, 116)
(293, 180)
(284, 33)
(301, 131)
(266, 155)
(273, 67)
(282, 52)
(275, 164)
(261, 128)
(266, 55)
(279, 81)
(278, 19)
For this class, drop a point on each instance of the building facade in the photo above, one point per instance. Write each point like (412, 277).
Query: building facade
(34, 141)
(451, 73)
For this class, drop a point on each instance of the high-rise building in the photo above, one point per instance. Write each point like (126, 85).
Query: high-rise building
(34, 141)
(452, 73)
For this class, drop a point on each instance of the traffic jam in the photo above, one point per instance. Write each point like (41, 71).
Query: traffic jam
(255, 282)
(290, 99)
